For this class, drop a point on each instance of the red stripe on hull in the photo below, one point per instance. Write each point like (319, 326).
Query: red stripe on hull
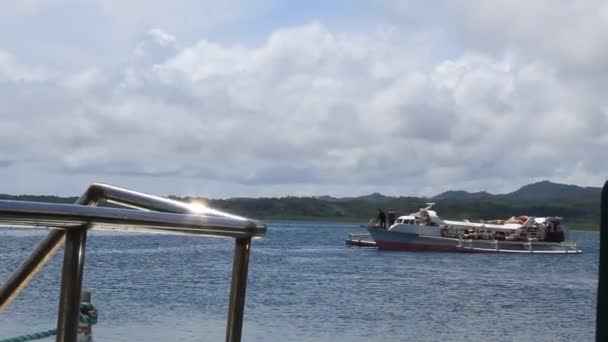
(401, 246)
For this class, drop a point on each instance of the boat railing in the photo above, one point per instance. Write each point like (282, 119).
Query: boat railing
(529, 245)
(465, 243)
(139, 213)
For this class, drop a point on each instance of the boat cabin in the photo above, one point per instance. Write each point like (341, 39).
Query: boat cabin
(406, 220)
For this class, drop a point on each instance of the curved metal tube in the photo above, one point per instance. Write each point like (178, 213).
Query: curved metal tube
(136, 200)
(69, 217)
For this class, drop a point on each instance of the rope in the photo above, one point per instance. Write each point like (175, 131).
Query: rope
(88, 316)
(31, 337)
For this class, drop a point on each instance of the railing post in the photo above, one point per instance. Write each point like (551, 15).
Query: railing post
(601, 328)
(238, 289)
(40, 256)
(71, 284)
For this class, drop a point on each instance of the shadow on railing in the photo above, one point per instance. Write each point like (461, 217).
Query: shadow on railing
(146, 213)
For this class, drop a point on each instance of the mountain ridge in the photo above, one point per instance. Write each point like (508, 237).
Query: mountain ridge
(579, 206)
(539, 190)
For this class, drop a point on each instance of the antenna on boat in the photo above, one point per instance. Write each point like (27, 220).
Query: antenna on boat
(429, 205)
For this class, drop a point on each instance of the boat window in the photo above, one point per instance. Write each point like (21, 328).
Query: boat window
(399, 221)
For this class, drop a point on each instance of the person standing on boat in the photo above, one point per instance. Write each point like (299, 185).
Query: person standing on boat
(382, 218)
(391, 217)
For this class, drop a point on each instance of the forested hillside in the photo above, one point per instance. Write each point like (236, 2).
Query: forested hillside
(579, 206)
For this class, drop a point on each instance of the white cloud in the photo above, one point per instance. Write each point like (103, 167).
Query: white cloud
(571, 33)
(68, 35)
(315, 110)
(11, 70)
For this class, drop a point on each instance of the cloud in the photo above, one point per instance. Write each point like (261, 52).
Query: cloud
(11, 70)
(314, 108)
(68, 35)
(569, 33)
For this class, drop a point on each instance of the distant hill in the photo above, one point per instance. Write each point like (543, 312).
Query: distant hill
(38, 198)
(551, 191)
(375, 197)
(544, 190)
(328, 198)
(460, 194)
(536, 191)
(579, 206)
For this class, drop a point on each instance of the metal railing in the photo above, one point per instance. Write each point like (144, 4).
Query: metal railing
(145, 213)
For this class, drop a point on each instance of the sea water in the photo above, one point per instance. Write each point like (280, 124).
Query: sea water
(305, 284)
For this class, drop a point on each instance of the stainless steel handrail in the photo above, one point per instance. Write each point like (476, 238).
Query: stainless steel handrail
(69, 216)
(155, 214)
(128, 198)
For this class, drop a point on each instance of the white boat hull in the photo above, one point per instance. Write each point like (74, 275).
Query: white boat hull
(412, 241)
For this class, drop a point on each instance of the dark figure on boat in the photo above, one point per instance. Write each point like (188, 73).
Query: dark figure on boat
(382, 218)
(392, 217)
(554, 232)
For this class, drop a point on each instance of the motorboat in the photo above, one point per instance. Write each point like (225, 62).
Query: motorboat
(424, 230)
(360, 240)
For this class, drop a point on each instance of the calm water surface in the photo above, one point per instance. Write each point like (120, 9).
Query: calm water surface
(306, 285)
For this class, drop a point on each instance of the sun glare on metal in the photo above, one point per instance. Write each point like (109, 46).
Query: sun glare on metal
(201, 208)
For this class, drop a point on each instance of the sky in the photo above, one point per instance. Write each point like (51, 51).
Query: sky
(274, 98)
